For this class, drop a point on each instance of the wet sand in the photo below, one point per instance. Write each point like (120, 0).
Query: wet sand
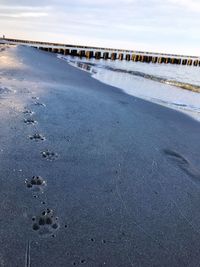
(89, 175)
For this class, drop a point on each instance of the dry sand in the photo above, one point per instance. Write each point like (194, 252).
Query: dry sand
(89, 175)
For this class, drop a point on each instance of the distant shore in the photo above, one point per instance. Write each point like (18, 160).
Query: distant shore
(91, 175)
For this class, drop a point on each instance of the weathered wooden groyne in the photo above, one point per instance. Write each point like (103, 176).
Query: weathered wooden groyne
(108, 53)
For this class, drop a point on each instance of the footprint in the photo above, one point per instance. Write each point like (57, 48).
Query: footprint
(184, 164)
(37, 137)
(36, 184)
(49, 155)
(28, 112)
(39, 104)
(24, 91)
(76, 263)
(30, 121)
(5, 90)
(35, 97)
(46, 224)
(176, 156)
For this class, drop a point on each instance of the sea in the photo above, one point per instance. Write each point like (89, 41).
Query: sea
(174, 86)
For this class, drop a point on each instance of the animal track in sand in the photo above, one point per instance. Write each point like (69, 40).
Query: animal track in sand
(184, 164)
(37, 183)
(28, 112)
(37, 137)
(5, 90)
(46, 223)
(39, 104)
(76, 263)
(35, 97)
(30, 121)
(49, 155)
(24, 91)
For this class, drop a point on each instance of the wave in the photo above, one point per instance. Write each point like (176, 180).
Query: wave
(186, 86)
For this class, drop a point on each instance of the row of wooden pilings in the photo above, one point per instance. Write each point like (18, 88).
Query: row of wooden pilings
(125, 56)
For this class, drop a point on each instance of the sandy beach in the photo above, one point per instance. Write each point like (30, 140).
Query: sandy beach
(91, 176)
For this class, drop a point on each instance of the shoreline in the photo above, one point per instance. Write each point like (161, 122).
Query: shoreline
(119, 175)
(102, 73)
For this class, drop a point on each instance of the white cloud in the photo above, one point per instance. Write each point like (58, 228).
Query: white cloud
(193, 5)
(29, 15)
(25, 15)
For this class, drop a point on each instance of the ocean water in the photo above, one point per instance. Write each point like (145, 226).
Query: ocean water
(174, 86)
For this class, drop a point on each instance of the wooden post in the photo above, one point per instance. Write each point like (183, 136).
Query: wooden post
(62, 51)
(133, 57)
(128, 57)
(97, 54)
(105, 55)
(154, 60)
(89, 54)
(82, 53)
(121, 56)
(173, 60)
(150, 59)
(146, 59)
(167, 60)
(195, 63)
(66, 52)
(74, 52)
(55, 50)
(113, 56)
(189, 62)
(184, 61)
(139, 58)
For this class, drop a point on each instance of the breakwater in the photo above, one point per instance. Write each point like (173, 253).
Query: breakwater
(108, 53)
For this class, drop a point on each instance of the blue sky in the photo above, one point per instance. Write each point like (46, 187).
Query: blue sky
(151, 25)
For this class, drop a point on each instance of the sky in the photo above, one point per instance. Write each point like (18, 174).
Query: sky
(171, 26)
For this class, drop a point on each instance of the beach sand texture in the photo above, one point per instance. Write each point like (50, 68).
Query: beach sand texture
(90, 175)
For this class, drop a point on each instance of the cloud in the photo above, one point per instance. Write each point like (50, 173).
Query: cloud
(193, 5)
(25, 15)
(17, 11)
(30, 3)
(30, 15)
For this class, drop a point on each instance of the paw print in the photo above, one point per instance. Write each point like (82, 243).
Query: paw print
(37, 137)
(46, 224)
(37, 183)
(49, 155)
(30, 121)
